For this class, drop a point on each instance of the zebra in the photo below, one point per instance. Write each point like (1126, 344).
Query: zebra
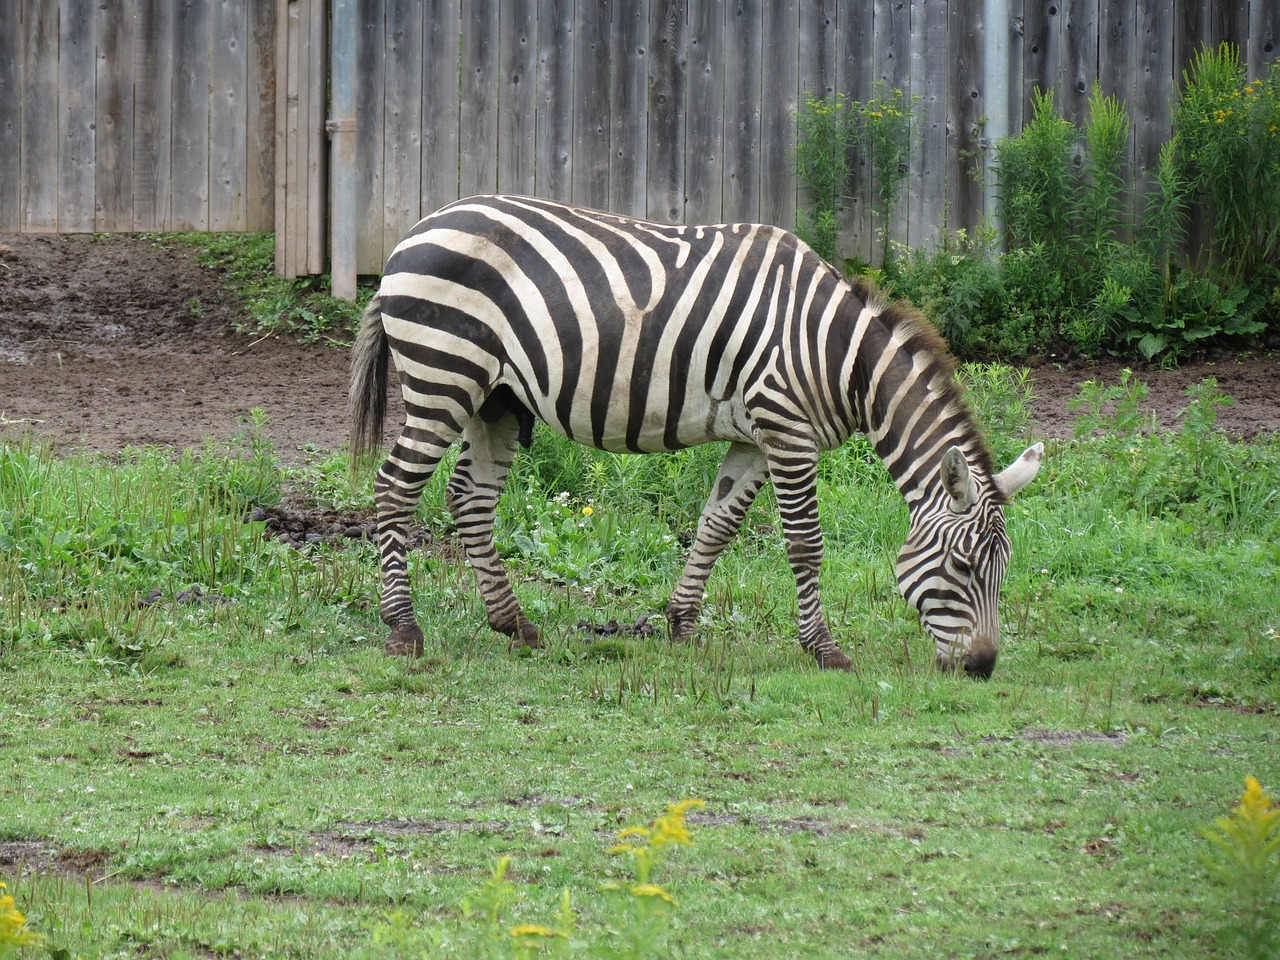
(633, 336)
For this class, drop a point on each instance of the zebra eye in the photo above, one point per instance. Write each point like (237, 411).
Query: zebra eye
(963, 567)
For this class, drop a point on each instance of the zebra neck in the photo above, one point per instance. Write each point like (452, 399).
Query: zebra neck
(909, 406)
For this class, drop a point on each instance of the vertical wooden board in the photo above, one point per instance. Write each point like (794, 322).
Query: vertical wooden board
(628, 56)
(925, 203)
(855, 25)
(1191, 33)
(705, 135)
(1017, 63)
(317, 142)
(667, 90)
(77, 115)
(1081, 58)
(1263, 46)
(744, 26)
(1043, 26)
(152, 109)
(1117, 68)
(554, 147)
(114, 134)
(443, 139)
(478, 144)
(38, 207)
(891, 42)
(11, 63)
(299, 112)
(228, 115)
(286, 116)
(518, 97)
(591, 101)
(964, 119)
(190, 151)
(370, 99)
(779, 101)
(1229, 22)
(260, 101)
(1154, 88)
(404, 95)
(817, 49)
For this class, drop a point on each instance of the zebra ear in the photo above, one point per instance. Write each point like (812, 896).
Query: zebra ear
(1021, 472)
(957, 480)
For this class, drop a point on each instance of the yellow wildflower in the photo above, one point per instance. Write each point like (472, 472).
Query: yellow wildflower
(587, 511)
(13, 925)
(652, 890)
(1256, 806)
(635, 832)
(535, 930)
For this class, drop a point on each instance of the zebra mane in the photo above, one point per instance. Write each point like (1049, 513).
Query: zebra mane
(920, 339)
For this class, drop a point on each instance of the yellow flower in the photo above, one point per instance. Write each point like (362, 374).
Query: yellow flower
(635, 832)
(652, 890)
(587, 511)
(13, 925)
(535, 930)
(1255, 805)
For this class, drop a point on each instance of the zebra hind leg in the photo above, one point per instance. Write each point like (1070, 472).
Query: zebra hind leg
(397, 489)
(472, 495)
(739, 480)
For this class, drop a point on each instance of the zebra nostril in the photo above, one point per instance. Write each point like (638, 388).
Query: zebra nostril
(980, 664)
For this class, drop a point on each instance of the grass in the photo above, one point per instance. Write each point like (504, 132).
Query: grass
(243, 772)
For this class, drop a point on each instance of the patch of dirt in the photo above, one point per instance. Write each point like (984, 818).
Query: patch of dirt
(1063, 738)
(113, 341)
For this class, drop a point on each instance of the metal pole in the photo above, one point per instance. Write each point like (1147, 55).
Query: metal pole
(341, 126)
(997, 23)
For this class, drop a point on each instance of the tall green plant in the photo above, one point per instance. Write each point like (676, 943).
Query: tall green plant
(1230, 133)
(825, 135)
(1102, 206)
(1036, 183)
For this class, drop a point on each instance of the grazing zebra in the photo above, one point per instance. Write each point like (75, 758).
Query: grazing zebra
(640, 337)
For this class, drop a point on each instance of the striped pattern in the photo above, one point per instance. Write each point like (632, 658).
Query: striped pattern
(640, 337)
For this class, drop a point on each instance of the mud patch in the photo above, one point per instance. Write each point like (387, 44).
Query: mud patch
(304, 527)
(1062, 738)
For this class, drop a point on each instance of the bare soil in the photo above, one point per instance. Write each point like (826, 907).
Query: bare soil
(107, 342)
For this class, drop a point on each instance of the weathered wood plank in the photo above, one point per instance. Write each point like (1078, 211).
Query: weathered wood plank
(1017, 63)
(925, 204)
(1081, 59)
(744, 27)
(11, 76)
(77, 116)
(777, 129)
(1154, 86)
(299, 110)
(478, 153)
(667, 83)
(284, 116)
(114, 136)
(152, 110)
(261, 103)
(1263, 46)
(443, 88)
(317, 155)
(705, 137)
(228, 115)
(855, 28)
(518, 97)
(964, 95)
(370, 103)
(628, 147)
(891, 42)
(817, 61)
(189, 192)
(591, 121)
(554, 147)
(40, 142)
(404, 120)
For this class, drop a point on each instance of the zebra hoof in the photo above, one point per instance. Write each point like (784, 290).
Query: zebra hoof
(405, 641)
(526, 635)
(834, 659)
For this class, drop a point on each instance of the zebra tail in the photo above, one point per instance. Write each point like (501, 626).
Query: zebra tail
(368, 396)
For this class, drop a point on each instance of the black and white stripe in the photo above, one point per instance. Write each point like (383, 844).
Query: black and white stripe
(635, 336)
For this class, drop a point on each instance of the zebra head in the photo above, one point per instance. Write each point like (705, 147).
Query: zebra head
(953, 562)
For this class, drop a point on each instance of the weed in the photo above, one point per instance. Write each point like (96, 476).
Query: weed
(1246, 861)
(13, 926)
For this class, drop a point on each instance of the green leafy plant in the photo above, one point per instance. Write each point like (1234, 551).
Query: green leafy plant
(1246, 860)
(1037, 182)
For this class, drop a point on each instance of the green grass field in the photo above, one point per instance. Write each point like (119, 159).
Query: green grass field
(243, 772)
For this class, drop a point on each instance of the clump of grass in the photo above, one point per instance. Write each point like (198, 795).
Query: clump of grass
(1246, 860)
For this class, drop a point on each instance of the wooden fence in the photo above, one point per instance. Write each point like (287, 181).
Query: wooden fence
(182, 114)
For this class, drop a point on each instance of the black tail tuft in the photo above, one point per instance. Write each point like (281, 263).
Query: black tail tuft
(368, 395)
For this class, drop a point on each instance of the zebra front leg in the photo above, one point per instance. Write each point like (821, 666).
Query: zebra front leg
(793, 467)
(739, 480)
(397, 489)
(472, 495)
